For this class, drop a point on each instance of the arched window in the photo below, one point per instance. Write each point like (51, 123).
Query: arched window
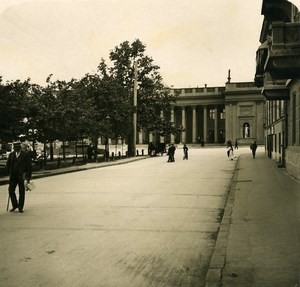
(246, 130)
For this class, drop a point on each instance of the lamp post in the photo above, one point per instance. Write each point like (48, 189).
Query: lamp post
(134, 110)
(106, 151)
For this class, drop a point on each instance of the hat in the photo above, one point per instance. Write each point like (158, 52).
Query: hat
(17, 144)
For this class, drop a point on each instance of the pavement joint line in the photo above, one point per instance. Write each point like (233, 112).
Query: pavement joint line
(218, 261)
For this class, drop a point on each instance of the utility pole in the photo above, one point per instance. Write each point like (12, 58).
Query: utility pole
(134, 110)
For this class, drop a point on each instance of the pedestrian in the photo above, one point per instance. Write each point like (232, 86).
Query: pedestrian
(18, 166)
(253, 147)
(185, 152)
(90, 151)
(171, 153)
(229, 148)
(236, 146)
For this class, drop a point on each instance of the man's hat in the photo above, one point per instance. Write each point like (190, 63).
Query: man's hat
(17, 143)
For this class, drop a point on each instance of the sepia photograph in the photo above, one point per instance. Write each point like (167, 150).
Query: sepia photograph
(150, 143)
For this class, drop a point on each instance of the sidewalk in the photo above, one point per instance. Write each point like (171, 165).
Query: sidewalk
(259, 239)
(43, 173)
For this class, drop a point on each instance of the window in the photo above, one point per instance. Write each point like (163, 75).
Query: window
(246, 130)
(212, 114)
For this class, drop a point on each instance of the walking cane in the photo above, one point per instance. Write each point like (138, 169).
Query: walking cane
(7, 203)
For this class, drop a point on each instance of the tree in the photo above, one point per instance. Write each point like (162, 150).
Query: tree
(13, 99)
(153, 96)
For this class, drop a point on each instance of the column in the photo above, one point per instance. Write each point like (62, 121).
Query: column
(205, 123)
(161, 138)
(216, 124)
(151, 137)
(172, 121)
(194, 139)
(140, 139)
(183, 121)
(227, 121)
(235, 124)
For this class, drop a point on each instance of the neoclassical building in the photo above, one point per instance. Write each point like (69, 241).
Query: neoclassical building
(216, 114)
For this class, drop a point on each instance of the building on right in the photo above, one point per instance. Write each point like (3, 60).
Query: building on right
(278, 74)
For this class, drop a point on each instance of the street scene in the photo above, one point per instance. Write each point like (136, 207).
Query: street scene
(150, 143)
(144, 223)
(205, 221)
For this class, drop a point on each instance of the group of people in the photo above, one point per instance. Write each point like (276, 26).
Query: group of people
(20, 170)
(230, 153)
(171, 152)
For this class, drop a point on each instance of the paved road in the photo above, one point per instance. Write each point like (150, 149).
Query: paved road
(147, 223)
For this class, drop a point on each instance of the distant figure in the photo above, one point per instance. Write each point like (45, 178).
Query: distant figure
(19, 167)
(185, 152)
(253, 147)
(171, 153)
(90, 151)
(236, 146)
(229, 148)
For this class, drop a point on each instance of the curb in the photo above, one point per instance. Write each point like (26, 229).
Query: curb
(218, 261)
(78, 168)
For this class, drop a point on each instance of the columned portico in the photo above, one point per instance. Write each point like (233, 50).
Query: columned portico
(212, 115)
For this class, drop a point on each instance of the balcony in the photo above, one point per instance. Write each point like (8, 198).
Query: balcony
(283, 60)
(275, 92)
(274, 89)
(279, 54)
(261, 57)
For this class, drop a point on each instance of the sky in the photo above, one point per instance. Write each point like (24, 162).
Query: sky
(194, 42)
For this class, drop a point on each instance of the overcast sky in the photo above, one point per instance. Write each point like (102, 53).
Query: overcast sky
(194, 42)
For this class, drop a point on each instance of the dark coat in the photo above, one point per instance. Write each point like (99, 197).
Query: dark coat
(19, 168)
(253, 146)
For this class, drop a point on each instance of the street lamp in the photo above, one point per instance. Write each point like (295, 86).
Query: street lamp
(106, 151)
(134, 110)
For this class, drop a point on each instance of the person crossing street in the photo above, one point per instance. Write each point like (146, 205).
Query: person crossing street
(185, 152)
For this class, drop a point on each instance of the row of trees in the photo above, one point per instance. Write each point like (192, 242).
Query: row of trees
(99, 104)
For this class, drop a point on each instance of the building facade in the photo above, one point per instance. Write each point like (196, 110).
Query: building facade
(278, 74)
(215, 114)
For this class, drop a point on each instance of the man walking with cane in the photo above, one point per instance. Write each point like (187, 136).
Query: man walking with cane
(19, 167)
